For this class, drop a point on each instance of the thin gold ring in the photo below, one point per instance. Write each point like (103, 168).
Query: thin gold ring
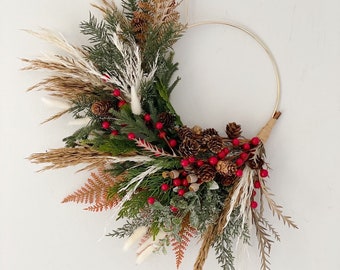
(263, 45)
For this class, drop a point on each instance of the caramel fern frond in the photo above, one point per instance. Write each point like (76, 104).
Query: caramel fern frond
(275, 208)
(95, 192)
(180, 245)
(264, 242)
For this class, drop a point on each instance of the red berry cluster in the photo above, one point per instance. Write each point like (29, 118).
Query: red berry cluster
(116, 93)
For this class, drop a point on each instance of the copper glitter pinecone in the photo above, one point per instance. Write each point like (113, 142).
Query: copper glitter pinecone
(206, 173)
(210, 131)
(101, 108)
(226, 167)
(189, 147)
(233, 130)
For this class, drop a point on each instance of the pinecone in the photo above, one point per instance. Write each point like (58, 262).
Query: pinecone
(189, 147)
(255, 164)
(215, 144)
(210, 131)
(226, 167)
(206, 173)
(167, 119)
(185, 132)
(101, 108)
(228, 180)
(233, 130)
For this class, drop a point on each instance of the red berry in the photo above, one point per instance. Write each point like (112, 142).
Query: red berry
(239, 173)
(257, 184)
(173, 209)
(162, 134)
(177, 182)
(121, 103)
(246, 146)
(151, 200)
(172, 143)
(239, 162)
(105, 124)
(255, 141)
(131, 136)
(226, 150)
(159, 125)
(114, 132)
(253, 204)
(263, 173)
(181, 192)
(185, 183)
(116, 92)
(191, 159)
(147, 117)
(165, 187)
(253, 194)
(185, 162)
(221, 155)
(236, 142)
(213, 160)
(244, 156)
(184, 174)
(200, 163)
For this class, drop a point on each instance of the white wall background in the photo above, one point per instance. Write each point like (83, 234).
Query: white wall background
(226, 77)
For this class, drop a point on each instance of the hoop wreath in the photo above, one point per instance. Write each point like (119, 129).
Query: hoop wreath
(169, 182)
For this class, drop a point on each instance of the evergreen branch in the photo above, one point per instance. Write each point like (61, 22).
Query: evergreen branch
(152, 148)
(276, 209)
(269, 227)
(129, 227)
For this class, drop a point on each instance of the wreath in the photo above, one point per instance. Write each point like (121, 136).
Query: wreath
(169, 182)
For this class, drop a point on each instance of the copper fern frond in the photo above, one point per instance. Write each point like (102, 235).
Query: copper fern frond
(95, 192)
(185, 235)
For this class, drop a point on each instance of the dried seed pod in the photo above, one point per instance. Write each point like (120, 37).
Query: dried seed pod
(233, 130)
(192, 178)
(174, 174)
(194, 187)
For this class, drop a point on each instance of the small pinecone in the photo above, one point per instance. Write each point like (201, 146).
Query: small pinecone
(226, 167)
(101, 108)
(233, 130)
(206, 173)
(210, 131)
(215, 144)
(185, 132)
(229, 180)
(167, 119)
(189, 147)
(255, 164)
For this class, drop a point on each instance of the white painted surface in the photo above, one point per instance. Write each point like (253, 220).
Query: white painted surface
(226, 77)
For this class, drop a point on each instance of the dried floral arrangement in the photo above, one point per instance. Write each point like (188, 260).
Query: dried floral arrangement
(170, 182)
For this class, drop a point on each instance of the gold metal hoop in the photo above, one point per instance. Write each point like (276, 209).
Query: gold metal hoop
(265, 131)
